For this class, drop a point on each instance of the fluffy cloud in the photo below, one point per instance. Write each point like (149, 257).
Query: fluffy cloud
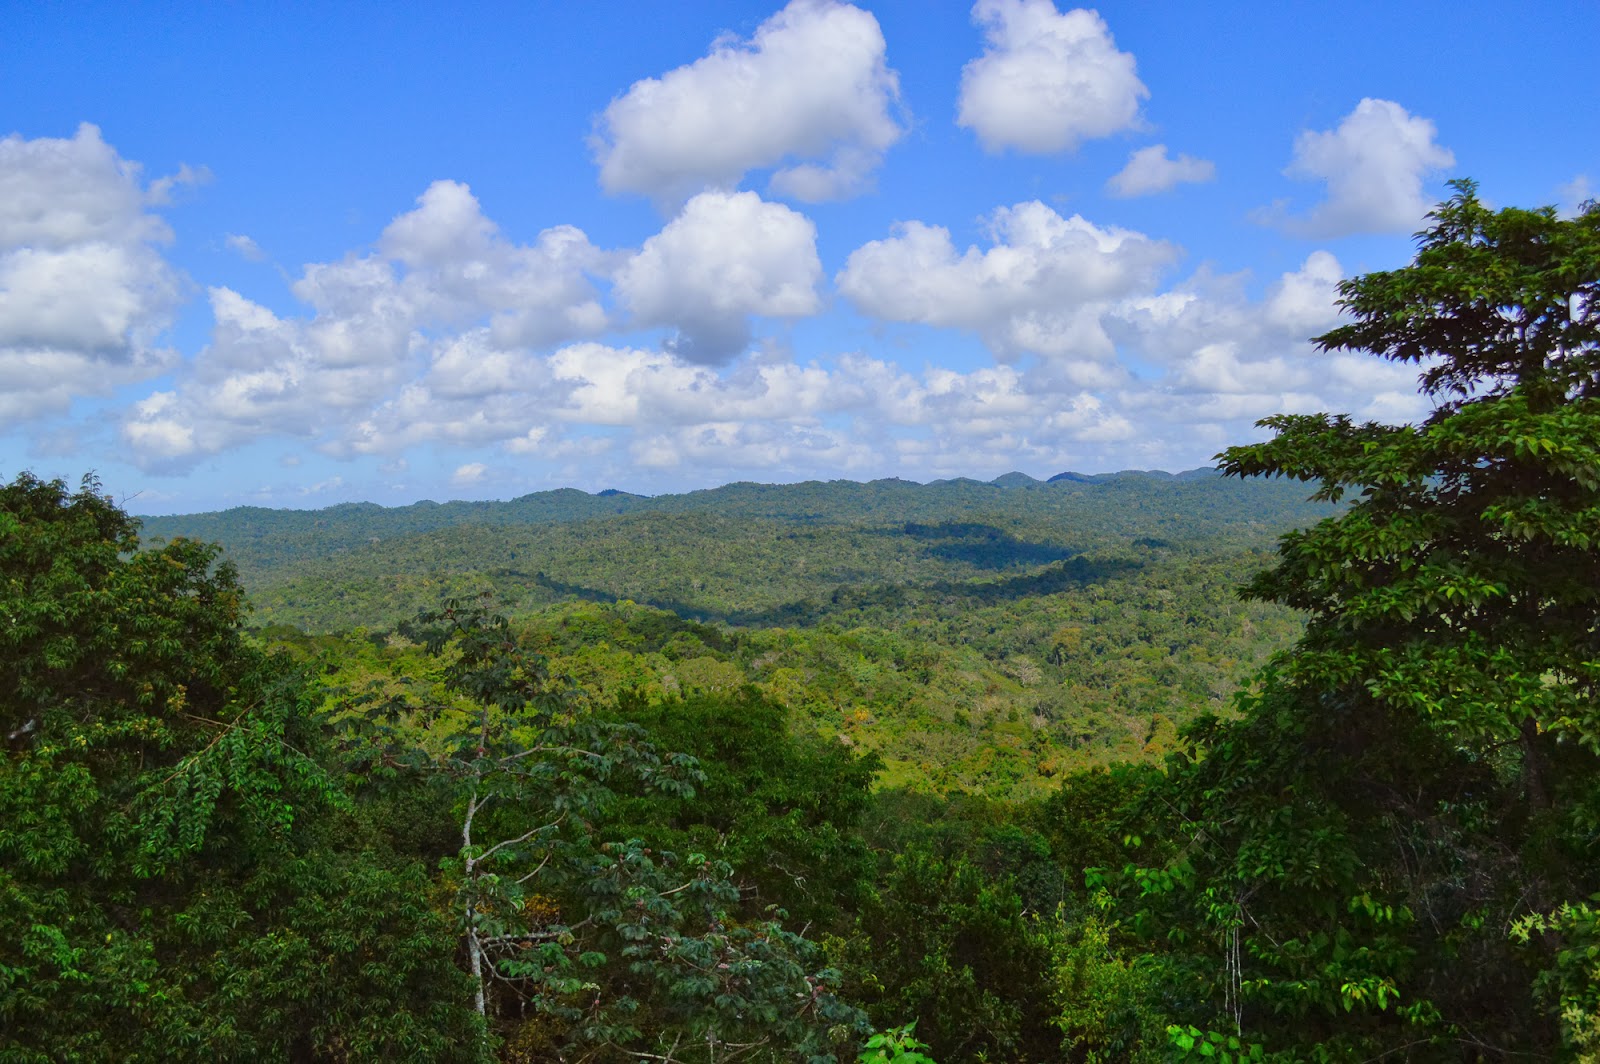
(724, 258)
(1046, 81)
(862, 417)
(1305, 301)
(545, 405)
(471, 393)
(458, 267)
(435, 337)
(1202, 360)
(336, 376)
(1149, 171)
(1373, 163)
(1167, 327)
(1040, 289)
(735, 448)
(57, 193)
(1193, 367)
(999, 402)
(628, 386)
(447, 334)
(1188, 370)
(263, 375)
(1225, 361)
(85, 294)
(810, 92)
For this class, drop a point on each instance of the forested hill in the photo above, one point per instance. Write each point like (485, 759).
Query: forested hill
(1196, 504)
(978, 636)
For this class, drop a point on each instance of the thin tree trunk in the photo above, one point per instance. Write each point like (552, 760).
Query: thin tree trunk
(474, 947)
(475, 952)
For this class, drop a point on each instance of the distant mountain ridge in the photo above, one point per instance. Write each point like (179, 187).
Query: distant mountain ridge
(1114, 506)
(573, 504)
(560, 500)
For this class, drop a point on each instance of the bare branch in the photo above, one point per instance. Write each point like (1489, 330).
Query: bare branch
(524, 837)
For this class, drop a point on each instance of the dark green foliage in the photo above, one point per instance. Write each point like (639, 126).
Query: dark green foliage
(1085, 822)
(781, 807)
(1464, 583)
(897, 1045)
(947, 946)
(982, 637)
(1329, 870)
(1420, 773)
(951, 693)
(179, 877)
(1338, 877)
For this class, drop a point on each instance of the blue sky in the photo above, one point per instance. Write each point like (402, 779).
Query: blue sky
(300, 255)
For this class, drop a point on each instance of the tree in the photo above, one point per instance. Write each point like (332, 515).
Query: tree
(1420, 769)
(1463, 584)
(578, 945)
(179, 876)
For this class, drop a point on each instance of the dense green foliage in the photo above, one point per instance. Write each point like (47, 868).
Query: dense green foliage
(989, 699)
(1340, 867)
(207, 866)
(850, 553)
(584, 947)
(175, 860)
(976, 636)
(782, 808)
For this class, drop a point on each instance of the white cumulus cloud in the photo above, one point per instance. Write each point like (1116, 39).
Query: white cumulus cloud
(1575, 193)
(441, 312)
(724, 258)
(473, 393)
(1373, 163)
(1305, 301)
(439, 335)
(447, 334)
(810, 93)
(1150, 170)
(1046, 81)
(1040, 289)
(1224, 361)
(85, 293)
(459, 266)
(631, 387)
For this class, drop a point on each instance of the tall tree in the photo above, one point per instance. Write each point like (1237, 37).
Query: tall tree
(1464, 581)
(1420, 769)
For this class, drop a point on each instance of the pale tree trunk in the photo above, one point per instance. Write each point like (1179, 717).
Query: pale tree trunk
(475, 951)
(474, 947)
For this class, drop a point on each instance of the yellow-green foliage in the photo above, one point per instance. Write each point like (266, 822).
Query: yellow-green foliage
(943, 711)
(1104, 998)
